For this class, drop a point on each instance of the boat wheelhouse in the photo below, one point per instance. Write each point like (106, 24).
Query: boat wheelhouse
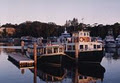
(64, 36)
(89, 51)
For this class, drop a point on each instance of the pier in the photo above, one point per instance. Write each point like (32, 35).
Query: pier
(21, 60)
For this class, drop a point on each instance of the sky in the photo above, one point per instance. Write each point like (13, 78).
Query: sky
(58, 11)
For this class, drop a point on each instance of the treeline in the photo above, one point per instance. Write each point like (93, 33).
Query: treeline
(39, 29)
(35, 29)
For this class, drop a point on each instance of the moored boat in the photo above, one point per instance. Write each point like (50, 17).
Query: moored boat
(48, 53)
(88, 50)
(110, 42)
(118, 41)
(28, 40)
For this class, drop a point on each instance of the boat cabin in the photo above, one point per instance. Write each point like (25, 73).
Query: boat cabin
(84, 42)
(82, 36)
(46, 50)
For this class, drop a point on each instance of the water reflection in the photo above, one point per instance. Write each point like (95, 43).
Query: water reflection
(81, 73)
(68, 72)
(86, 73)
(49, 73)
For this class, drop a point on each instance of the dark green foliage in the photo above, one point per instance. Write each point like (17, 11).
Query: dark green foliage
(39, 29)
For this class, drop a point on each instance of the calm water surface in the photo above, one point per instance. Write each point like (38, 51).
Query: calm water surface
(106, 72)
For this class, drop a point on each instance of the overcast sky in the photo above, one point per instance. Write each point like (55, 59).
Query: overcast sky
(58, 11)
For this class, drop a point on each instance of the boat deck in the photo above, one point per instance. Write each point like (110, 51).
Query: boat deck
(13, 47)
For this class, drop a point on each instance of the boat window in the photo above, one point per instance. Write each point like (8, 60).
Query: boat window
(64, 47)
(84, 34)
(94, 46)
(69, 47)
(85, 77)
(38, 50)
(98, 46)
(80, 33)
(44, 50)
(41, 50)
(69, 41)
(80, 77)
(81, 46)
(73, 47)
(28, 49)
(87, 34)
(60, 50)
(86, 47)
(55, 50)
(49, 50)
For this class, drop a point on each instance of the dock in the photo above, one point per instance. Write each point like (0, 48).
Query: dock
(20, 60)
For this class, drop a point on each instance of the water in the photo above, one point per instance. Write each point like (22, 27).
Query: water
(106, 72)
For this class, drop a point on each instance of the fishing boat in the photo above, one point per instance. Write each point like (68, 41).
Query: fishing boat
(28, 40)
(88, 50)
(118, 41)
(48, 53)
(110, 41)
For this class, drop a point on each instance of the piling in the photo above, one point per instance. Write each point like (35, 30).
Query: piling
(35, 63)
(76, 75)
(22, 46)
(76, 50)
(35, 54)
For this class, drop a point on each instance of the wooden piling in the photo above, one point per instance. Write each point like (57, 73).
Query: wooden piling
(35, 63)
(35, 74)
(22, 46)
(76, 50)
(35, 54)
(76, 75)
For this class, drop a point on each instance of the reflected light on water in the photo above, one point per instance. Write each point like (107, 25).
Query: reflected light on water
(105, 72)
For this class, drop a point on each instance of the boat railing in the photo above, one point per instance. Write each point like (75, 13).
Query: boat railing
(48, 49)
(90, 49)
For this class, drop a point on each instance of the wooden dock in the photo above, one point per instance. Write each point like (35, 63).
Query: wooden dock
(20, 60)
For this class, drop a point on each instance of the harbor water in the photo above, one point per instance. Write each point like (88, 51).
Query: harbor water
(106, 72)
